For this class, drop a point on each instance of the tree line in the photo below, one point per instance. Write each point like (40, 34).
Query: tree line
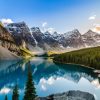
(30, 90)
(88, 57)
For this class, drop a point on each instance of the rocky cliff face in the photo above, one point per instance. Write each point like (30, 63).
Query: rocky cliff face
(69, 39)
(91, 38)
(70, 95)
(7, 41)
(44, 40)
(38, 35)
(21, 34)
(33, 38)
(73, 39)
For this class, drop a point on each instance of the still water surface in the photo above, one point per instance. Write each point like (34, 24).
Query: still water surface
(48, 77)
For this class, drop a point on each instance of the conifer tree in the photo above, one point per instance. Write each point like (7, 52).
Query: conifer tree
(6, 98)
(15, 95)
(30, 93)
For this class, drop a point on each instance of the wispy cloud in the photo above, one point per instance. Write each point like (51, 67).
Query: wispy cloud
(96, 28)
(6, 21)
(51, 30)
(5, 90)
(46, 28)
(45, 82)
(44, 24)
(93, 17)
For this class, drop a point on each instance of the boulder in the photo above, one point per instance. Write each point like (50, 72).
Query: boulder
(70, 95)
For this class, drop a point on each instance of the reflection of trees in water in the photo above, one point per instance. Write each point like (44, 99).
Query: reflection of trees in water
(44, 69)
(30, 92)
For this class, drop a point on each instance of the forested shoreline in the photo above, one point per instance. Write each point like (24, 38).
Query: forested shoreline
(88, 57)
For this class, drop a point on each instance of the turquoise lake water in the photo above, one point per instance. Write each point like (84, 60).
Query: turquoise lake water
(49, 78)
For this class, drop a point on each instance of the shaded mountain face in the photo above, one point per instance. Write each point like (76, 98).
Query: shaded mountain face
(38, 35)
(91, 38)
(44, 40)
(32, 38)
(21, 34)
(7, 41)
(69, 39)
(73, 39)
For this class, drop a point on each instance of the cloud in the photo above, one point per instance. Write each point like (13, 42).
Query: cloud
(5, 90)
(93, 17)
(96, 28)
(6, 21)
(44, 24)
(45, 82)
(51, 30)
(46, 28)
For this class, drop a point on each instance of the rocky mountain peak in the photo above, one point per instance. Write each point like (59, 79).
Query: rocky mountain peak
(18, 27)
(91, 33)
(4, 34)
(18, 24)
(55, 33)
(21, 32)
(7, 41)
(44, 40)
(74, 33)
(35, 29)
(47, 33)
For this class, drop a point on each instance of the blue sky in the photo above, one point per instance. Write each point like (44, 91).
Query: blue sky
(60, 15)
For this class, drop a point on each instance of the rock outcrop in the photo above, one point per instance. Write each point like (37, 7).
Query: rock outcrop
(91, 38)
(5, 54)
(34, 38)
(73, 39)
(7, 41)
(21, 34)
(70, 95)
(44, 40)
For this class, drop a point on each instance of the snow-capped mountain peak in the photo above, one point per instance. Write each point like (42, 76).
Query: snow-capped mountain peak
(51, 39)
(35, 29)
(73, 33)
(91, 33)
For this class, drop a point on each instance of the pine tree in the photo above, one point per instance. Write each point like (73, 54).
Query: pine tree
(6, 98)
(15, 95)
(30, 93)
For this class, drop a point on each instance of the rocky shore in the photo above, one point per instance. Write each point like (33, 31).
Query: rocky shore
(70, 95)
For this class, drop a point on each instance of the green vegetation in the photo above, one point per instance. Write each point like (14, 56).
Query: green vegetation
(15, 95)
(88, 57)
(30, 93)
(30, 90)
(26, 53)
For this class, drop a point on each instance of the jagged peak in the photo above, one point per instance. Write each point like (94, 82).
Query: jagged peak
(18, 24)
(35, 29)
(47, 32)
(89, 30)
(91, 33)
(19, 27)
(73, 32)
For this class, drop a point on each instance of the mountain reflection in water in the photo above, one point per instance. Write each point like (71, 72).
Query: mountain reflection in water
(48, 77)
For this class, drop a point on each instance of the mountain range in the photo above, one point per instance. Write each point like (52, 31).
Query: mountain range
(18, 35)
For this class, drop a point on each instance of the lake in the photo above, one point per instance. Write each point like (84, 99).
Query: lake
(49, 78)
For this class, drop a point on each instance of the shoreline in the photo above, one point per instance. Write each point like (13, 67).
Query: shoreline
(69, 95)
(75, 64)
